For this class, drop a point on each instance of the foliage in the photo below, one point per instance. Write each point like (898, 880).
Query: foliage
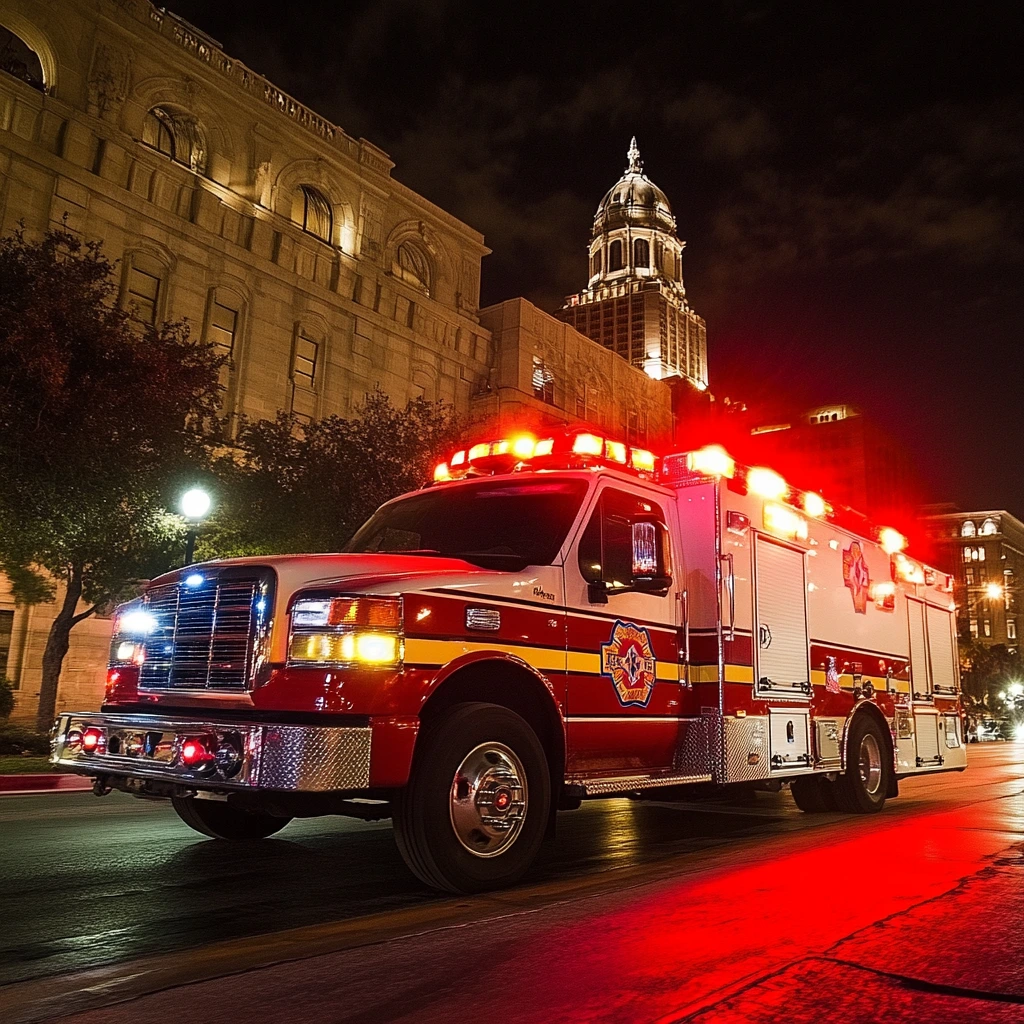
(293, 488)
(6, 698)
(16, 739)
(102, 421)
(987, 669)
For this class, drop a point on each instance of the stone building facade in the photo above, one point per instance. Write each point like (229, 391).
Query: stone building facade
(276, 235)
(984, 550)
(546, 373)
(635, 301)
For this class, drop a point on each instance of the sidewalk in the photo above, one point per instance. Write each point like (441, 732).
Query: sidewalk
(47, 782)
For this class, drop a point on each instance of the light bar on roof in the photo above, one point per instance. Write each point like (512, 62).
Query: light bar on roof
(766, 483)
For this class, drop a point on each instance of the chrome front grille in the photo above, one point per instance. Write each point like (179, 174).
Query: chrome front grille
(206, 634)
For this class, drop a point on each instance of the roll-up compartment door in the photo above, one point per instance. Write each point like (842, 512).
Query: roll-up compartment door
(781, 628)
(920, 677)
(940, 649)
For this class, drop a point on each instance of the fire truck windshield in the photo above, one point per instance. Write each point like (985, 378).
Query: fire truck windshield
(497, 524)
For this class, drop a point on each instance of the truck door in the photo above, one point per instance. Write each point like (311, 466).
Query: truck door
(624, 685)
(932, 672)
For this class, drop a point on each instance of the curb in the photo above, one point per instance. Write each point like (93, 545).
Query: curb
(18, 785)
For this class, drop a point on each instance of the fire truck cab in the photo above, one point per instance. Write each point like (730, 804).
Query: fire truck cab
(549, 620)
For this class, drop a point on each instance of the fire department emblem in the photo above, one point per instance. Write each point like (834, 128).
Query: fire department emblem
(855, 576)
(628, 659)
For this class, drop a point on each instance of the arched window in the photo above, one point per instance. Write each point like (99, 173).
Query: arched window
(412, 265)
(317, 218)
(176, 134)
(641, 253)
(988, 528)
(615, 255)
(968, 529)
(659, 256)
(597, 262)
(18, 59)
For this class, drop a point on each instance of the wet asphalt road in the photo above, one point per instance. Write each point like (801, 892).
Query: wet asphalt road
(86, 882)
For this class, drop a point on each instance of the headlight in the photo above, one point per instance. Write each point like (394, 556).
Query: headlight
(346, 631)
(132, 624)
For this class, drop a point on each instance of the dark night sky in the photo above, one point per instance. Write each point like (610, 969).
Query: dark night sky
(848, 178)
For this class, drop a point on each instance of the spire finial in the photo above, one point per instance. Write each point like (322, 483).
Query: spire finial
(636, 165)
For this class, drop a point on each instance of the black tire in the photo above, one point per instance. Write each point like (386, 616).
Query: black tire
(424, 811)
(863, 786)
(219, 820)
(814, 794)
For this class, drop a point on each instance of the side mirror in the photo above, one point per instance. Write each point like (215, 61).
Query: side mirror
(652, 563)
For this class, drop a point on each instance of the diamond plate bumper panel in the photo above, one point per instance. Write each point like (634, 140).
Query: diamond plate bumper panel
(246, 755)
(746, 749)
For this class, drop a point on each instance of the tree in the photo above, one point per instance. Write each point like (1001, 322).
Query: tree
(985, 670)
(102, 420)
(287, 487)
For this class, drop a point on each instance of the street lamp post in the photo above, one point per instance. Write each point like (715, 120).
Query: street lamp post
(195, 506)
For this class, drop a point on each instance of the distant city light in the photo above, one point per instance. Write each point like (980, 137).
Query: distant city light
(993, 591)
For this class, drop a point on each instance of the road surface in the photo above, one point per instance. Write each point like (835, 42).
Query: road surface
(112, 910)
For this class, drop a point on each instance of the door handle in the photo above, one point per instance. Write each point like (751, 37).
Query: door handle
(684, 601)
(730, 585)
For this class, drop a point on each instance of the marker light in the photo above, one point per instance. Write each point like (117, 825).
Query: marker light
(544, 447)
(194, 579)
(130, 652)
(814, 505)
(615, 451)
(642, 460)
(883, 589)
(713, 460)
(365, 648)
(588, 444)
(136, 623)
(908, 570)
(766, 482)
(523, 446)
(479, 451)
(442, 472)
(93, 740)
(784, 522)
(891, 540)
(459, 458)
(194, 753)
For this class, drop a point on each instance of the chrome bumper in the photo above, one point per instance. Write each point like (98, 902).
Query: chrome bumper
(244, 755)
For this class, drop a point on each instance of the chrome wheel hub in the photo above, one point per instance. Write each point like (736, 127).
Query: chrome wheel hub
(488, 799)
(870, 764)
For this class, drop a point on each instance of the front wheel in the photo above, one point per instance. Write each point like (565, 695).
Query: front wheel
(219, 820)
(475, 810)
(863, 786)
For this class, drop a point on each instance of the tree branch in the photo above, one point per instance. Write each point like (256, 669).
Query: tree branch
(84, 615)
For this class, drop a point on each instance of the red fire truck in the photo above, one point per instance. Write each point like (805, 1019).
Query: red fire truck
(550, 619)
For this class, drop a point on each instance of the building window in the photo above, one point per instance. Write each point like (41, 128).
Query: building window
(968, 529)
(972, 554)
(1011, 631)
(143, 293)
(642, 253)
(317, 219)
(615, 255)
(21, 61)
(587, 403)
(176, 134)
(304, 366)
(411, 265)
(223, 324)
(988, 528)
(596, 262)
(969, 575)
(543, 381)
(974, 629)
(986, 627)
(6, 629)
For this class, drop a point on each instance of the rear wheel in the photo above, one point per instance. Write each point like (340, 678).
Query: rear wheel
(475, 810)
(863, 786)
(814, 794)
(219, 820)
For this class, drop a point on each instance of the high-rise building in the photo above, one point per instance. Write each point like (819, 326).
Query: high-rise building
(985, 552)
(635, 301)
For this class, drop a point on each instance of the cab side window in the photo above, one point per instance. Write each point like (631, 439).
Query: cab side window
(607, 547)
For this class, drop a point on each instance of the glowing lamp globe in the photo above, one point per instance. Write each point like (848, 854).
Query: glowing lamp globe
(195, 503)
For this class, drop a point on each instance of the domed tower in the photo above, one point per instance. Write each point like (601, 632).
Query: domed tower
(635, 301)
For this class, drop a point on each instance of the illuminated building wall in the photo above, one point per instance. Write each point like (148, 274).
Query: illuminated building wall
(277, 236)
(635, 301)
(546, 373)
(985, 552)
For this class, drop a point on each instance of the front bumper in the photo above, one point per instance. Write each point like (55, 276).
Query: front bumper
(246, 756)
